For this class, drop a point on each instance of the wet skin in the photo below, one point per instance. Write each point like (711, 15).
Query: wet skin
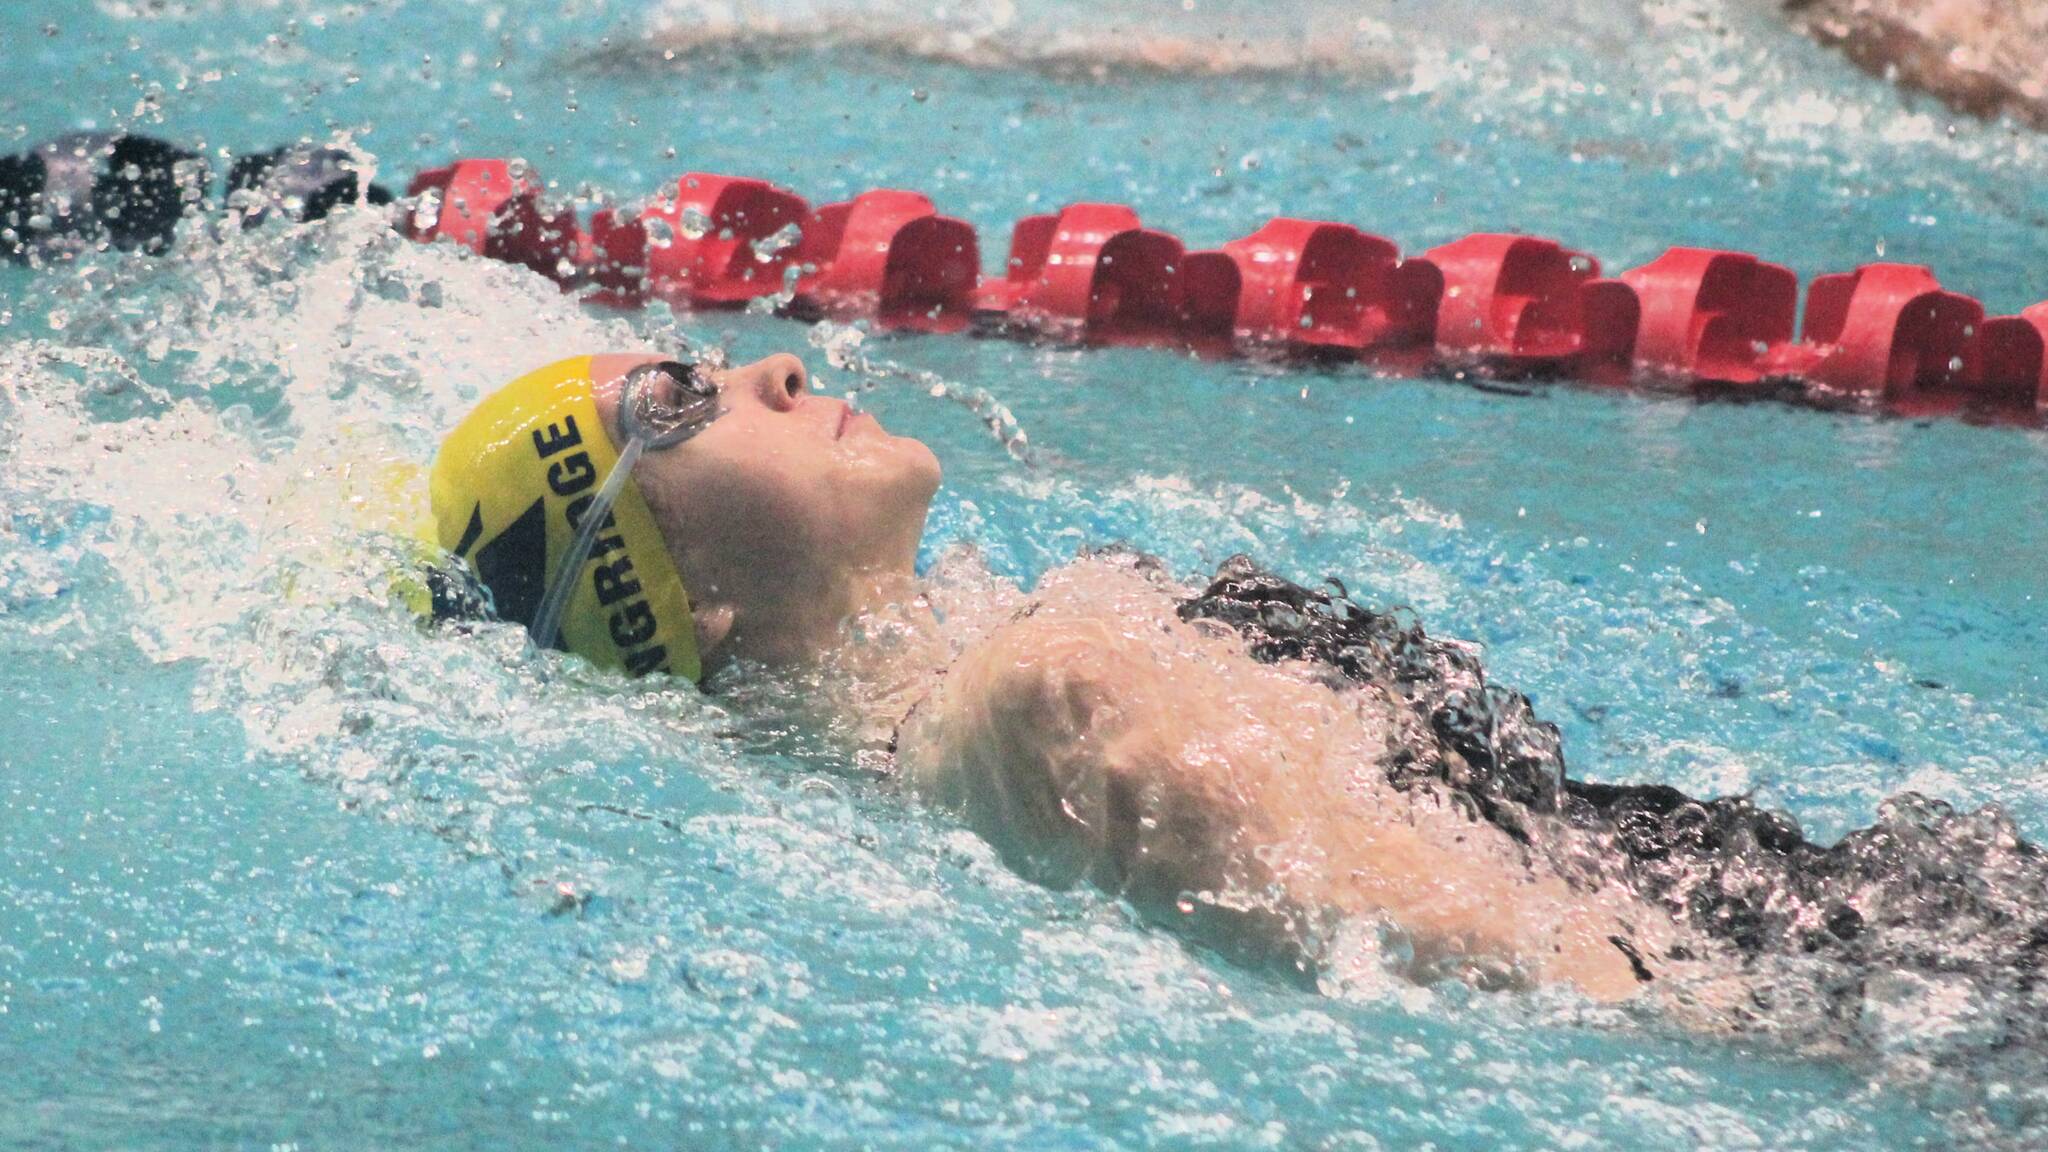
(786, 515)
(1096, 736)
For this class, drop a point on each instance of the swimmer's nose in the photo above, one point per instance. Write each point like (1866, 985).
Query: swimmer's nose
(779, 381)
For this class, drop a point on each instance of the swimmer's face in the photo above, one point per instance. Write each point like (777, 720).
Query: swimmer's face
(783, 507)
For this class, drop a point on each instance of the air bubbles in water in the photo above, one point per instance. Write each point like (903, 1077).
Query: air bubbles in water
(773, 303)
(841, 344)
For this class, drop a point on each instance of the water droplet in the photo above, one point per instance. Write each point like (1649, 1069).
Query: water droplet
(840, 343)
(776, 242)
(695, 223)
(920, 95)
(426, 215)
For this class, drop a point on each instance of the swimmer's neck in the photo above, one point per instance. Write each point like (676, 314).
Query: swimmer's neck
(784, 626)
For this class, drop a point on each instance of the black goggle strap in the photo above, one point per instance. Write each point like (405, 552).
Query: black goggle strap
(661, 406)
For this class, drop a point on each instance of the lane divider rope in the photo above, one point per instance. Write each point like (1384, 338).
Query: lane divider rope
(1714, 323)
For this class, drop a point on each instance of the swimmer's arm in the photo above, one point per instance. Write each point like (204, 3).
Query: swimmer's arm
(1052, 740)
(1026, 737)
(1055, 737)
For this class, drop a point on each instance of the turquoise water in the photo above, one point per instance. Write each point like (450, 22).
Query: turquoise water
(284, 871)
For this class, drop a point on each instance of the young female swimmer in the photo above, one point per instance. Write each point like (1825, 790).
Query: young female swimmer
(1254, 764)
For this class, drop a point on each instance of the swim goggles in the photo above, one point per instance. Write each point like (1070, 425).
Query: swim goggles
(661, 405)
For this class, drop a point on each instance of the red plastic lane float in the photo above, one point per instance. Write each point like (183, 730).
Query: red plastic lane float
(1887, 333)
(889, 254)
(1697, 315)
(717, 242)
(1312, 285)
(1884, 334)
(615, 259)
(1092, 272)
(1510, 302)
(494, 208)
(2012, 367)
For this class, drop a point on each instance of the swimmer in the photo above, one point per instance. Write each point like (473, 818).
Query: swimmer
(1260, 764)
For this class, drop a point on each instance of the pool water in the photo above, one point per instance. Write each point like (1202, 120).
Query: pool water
(283, 870)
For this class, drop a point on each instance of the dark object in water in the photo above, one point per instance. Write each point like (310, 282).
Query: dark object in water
(1925, 890)
(302, 181)
(93, 190)
(1983, 58)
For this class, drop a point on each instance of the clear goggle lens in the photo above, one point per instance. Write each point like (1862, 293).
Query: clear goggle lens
(667, 403)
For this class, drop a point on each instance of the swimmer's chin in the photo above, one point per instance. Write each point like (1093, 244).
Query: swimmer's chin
(912, 464)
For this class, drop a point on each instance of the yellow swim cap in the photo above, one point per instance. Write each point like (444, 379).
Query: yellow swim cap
(509, 488)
